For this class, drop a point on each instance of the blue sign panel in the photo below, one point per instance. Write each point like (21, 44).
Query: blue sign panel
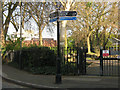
(63, 18)
(52, 20)
(67, 18)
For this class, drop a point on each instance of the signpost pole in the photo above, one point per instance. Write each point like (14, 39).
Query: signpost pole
(58, 74)
(101, 62)
(70, 16)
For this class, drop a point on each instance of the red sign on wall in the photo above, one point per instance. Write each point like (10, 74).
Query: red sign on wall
(105, 52)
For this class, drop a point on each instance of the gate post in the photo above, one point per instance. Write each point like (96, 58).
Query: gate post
(81, 60)
(78, 61)
(84, 65)
(101, 62)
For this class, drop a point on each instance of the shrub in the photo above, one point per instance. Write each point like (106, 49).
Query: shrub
(38, 57)
(42, 60)
(69, 69)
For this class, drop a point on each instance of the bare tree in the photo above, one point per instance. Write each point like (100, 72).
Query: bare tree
(39, 11)
(94, 17)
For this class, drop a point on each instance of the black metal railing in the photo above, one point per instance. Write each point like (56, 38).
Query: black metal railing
(109, 65)
(73, 61)
(74, 57)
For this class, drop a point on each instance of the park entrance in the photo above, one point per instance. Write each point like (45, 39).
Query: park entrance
(110, 64)
(76, 61)
(73, 60)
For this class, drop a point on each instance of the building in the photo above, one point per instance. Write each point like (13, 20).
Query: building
(48, 42)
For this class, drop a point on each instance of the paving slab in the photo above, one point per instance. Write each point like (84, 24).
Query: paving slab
(48, 81)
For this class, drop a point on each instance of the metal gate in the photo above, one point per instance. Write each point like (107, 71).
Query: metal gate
(104, 65)
(74, 60)
(110, 65)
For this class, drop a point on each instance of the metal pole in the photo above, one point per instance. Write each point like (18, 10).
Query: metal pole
(58, 74)
(101, 61)
(20, 60)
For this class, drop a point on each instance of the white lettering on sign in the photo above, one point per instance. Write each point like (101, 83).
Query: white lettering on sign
(105, 52)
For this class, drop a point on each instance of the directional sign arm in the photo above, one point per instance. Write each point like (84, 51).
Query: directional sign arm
(68, 13)
(53, 15)
(67, 18)
(63, 13)
(52, 20)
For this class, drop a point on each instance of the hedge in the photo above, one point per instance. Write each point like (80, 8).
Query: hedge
(36, 57)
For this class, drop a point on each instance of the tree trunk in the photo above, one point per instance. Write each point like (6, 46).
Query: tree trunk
(63, 34)
(88, 41)
(88, 44)
(2, 31)
(40, 37)
(66, 39)
(64, 31)
(104, 37)
(7, 21)
(119, 27)
(97, 37)
(2, 37)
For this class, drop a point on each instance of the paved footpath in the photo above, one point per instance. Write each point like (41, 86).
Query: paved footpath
(48, 81)
(7, 85)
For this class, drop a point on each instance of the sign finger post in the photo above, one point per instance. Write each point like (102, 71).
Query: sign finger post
(60, 16)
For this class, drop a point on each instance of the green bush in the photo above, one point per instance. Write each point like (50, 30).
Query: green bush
(13, 44)
(69, 69)
(38, 57)
(54, 49)
(42, 60)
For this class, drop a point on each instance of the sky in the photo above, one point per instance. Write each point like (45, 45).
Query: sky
(45, 33)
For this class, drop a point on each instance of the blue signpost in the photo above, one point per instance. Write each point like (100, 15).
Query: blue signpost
(52, 20)
(59, 16)
(63, 18)
(67, 18)
(63, 15)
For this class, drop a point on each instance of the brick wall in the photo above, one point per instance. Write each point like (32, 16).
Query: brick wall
(48, 42)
